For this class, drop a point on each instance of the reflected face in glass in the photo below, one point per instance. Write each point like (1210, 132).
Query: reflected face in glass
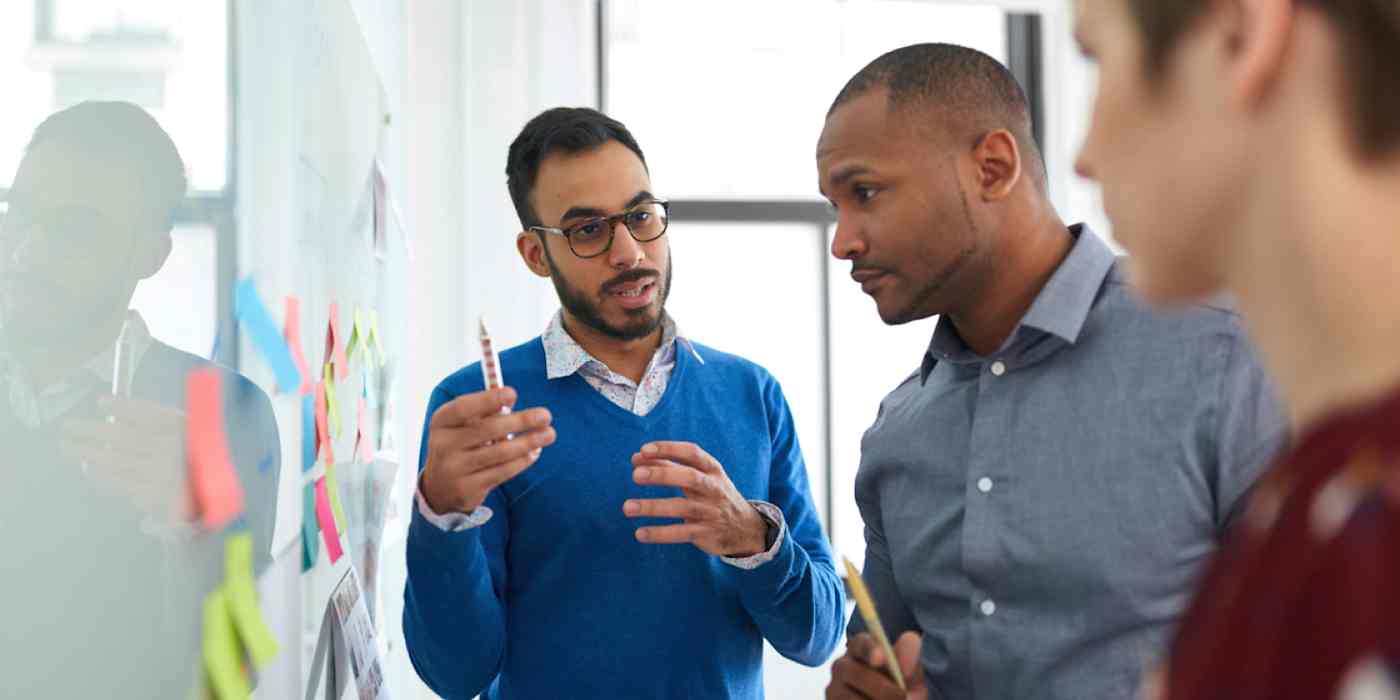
(620, 293)
(1171, 162)
(902, 211)
(71, 242)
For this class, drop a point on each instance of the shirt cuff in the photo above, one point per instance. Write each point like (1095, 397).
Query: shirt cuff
(451, 522)
(774, 515)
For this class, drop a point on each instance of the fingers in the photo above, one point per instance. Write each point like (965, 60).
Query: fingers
(686, 453)
(468, 408)
(488, 479)
(683, 508)
(907, 650)
(865, 649)
(672, 474)
(670, 534)
(853, 678)
(484, 431)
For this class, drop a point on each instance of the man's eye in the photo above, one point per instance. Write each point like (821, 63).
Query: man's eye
(588, 229)
(864, 193)
(638, 217)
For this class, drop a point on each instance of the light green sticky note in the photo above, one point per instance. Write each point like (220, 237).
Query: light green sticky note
(374, 336)
(357, 335)
(243, 600)
(333, 490)
(222, 661)
(331, 404)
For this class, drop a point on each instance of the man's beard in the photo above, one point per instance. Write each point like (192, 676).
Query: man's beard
(641, 322)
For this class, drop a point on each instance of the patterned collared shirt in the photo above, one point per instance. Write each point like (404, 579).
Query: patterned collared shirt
(563, 356)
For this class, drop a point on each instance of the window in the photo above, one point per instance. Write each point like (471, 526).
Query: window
(728, 102)
(172, 59)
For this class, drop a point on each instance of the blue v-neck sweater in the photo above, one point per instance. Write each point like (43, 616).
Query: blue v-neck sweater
(555, 598)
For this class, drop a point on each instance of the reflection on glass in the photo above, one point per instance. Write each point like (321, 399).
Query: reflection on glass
(109, 564)
(167, 56)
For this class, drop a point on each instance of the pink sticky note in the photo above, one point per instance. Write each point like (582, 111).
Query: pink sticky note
(335, 349)
(329, 534)
(291, 331)
(218, 496)
(323, 431)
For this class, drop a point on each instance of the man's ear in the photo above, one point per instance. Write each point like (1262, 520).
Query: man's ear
(150, 252)
(531, 247)
(1259, 36)
(998, 160)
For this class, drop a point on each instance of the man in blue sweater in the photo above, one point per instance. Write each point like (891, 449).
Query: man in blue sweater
(642, 521)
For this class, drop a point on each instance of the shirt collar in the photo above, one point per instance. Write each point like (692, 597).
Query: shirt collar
(1060, 309)
(563, 355)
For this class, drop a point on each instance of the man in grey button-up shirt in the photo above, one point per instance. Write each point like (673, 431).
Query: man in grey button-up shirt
(1039, 496)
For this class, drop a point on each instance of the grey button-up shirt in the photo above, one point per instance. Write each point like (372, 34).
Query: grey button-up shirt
(1042, 514)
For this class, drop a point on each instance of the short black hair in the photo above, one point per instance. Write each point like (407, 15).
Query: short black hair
(124, 135)
(955, 82)
(558, 130)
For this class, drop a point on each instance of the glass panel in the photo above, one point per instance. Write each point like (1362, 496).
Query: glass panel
(870, 360)
(725, 104)
(731, 295)
(180, 302)
(168, 56)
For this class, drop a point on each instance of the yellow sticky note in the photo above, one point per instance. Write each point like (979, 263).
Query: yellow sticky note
(357, 335)
(222, 661)
(243, 600)
(331, 404)
(333, 490)
(872, 620)
(374, 336)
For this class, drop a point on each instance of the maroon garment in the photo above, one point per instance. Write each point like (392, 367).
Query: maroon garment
(1308, 588)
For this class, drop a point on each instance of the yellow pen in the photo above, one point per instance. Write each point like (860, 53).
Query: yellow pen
(872, 620)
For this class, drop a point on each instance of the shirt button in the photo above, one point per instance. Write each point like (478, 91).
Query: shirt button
(984, 485)
(989, 608)
(998, 368)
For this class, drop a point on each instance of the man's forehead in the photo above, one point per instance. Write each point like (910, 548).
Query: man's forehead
(56, 175)
(862, 129)
(606, 179)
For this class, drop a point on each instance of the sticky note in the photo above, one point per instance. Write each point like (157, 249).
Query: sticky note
(308, 431)
(335, 350)
(222, 660)
(357, 335)
(374, 336)
(218, 497)
(333, 490)
(323, 432)
(326, 519)
(291, 332)
(310, 547)
(265, 464)
(381, 223)
(243, 600)
(249, 310)
(331, 404)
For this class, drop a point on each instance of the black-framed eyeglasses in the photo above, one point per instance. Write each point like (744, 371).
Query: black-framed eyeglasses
(645, 221)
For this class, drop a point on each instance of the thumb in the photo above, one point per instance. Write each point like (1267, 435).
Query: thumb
(906, 650)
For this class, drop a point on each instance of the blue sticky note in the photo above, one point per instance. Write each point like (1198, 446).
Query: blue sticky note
(265, 464)
(310, 534)
(258, 322)
(308, 432)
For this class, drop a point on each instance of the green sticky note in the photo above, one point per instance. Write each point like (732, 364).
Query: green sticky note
(222, 661)
(333, 490)
(243, 600)
(310, 534)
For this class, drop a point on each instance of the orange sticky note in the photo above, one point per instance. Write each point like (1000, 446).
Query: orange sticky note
(218, 496)
(291, 332)
(326, 518)
(335, 349)
(323, 432)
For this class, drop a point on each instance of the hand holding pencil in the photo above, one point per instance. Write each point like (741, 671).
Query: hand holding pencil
(872, 667)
